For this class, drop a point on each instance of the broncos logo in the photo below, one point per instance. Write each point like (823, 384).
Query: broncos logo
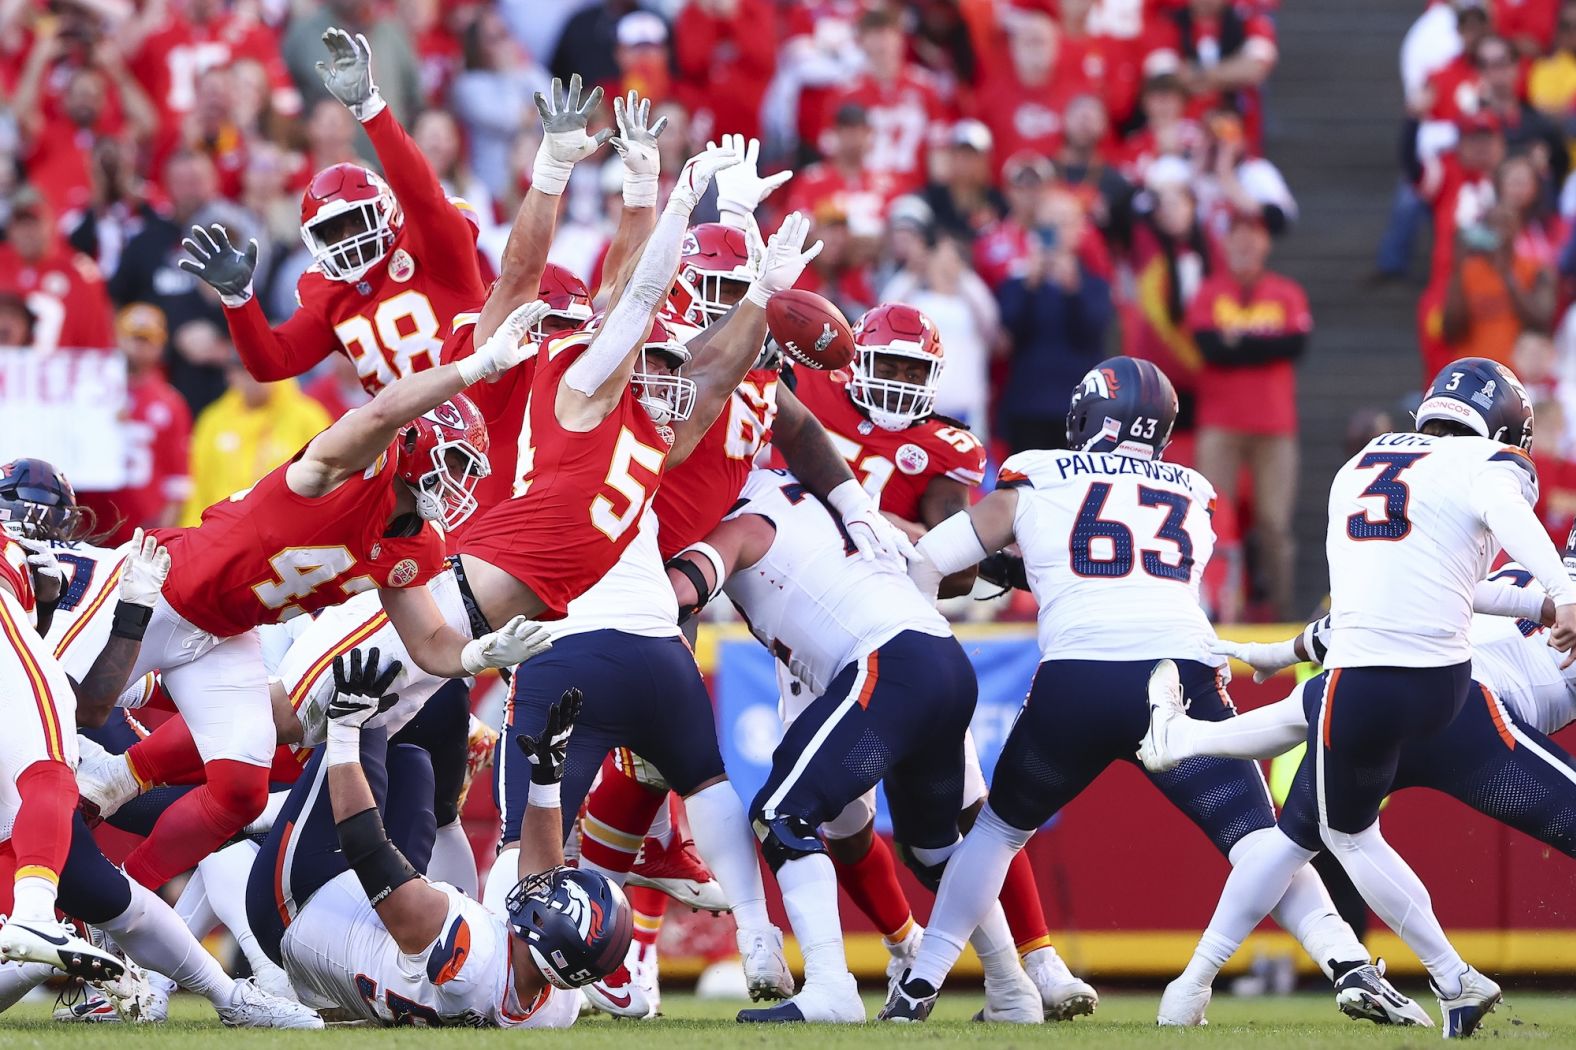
(584, 912)
(1100, 382)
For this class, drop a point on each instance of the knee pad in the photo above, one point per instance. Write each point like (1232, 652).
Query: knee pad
(929, 875)
(786, 838)
(238, 789)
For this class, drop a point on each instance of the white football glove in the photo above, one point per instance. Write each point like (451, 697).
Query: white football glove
(518, 641)
(144, 571)
(506, 347)
(876, 537)
(564, 138)
(786, 257)
(49, 579)
(740, 189)
(697, 174)
(1266, 658)
(636, 145)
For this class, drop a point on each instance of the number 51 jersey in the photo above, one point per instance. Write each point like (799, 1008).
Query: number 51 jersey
(1114, 548)
(1408, 544)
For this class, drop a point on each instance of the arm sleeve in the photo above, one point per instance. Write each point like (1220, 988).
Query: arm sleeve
(1501, 598)
(272, 354)
(435, 225)
(1505, 502)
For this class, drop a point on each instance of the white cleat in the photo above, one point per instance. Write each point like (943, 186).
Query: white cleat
(1165, 706)
(642, 964)
(1064, 994)
(823, 1001)
(618, 994)
(271, 978)
(104, 781)
(903, 952)
(90, 1009)
(132, 994)
(1363, 994)
(158, 1008)
(1462, 1013)
(1012, 1000)
(56, 944)
(765, 969)
(254, 1008)
(1183, 1005)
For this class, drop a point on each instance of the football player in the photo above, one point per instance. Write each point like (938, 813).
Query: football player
(1415, 521)
(392, 262)
(338, 900)
(1110, 535)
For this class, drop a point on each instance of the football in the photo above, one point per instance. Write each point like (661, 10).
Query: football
(810, 329)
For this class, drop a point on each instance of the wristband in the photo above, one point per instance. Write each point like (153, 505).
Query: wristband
(239, 299)
(365, 111)
(549, 175)
(640, 190)
(759, 294)
(543, 796)
(848, 499)
(131, 620)
(343, 745)
(472, 658)
(473, 369)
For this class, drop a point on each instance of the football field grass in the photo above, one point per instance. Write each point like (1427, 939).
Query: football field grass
(1124, 1020)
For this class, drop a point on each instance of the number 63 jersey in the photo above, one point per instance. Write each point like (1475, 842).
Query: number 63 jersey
(1114, 548)
(1408, 544)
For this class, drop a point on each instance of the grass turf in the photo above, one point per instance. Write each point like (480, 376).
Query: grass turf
(1123, 1020)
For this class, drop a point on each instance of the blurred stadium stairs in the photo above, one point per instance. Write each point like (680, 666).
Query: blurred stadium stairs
(1334, 117)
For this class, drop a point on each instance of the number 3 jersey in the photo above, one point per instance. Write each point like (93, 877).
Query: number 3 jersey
(1408, 543)
(1114, 547)
(268, 554)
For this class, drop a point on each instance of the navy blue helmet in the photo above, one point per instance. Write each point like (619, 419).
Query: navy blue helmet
(36, 501)
(1123, 405)
(1482, 395)
(577, 924)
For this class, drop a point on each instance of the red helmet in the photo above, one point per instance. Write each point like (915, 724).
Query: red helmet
(348, 220)
(566, 297)
(666, 396)
(713, 253)
(895, 330)
(444, 488)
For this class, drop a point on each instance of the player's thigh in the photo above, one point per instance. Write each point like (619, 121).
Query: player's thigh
(442, 728)
(224, 698)
(854, 819)
(91, 888)
(408, 812)
(37, 703)
(925, 795)
(676, 728)
(1299, 816)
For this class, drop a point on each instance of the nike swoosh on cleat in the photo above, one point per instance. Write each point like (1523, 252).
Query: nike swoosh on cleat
(620, 1001)
(59, 942)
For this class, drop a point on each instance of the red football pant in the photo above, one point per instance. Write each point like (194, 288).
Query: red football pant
(619, 812)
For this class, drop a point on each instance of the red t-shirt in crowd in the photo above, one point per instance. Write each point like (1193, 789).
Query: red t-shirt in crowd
(862, 197)
(1024, 119)
(1259, 398)
(66, 294)
(903, 115)
(156, 431)
(173, 56)
(728, 62)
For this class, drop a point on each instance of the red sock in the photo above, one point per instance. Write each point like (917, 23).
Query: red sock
(618, 814)
(871, 883)
(168, 755)
(41, 831)
(649, 906)
(1020, 899)
(200, 822)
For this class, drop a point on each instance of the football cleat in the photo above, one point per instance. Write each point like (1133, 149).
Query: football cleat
(642, 964)
(618, 994)
(1464, 1011)
(104, 781)
(90, 1009)
(254, 1008)
(1064, 994)
(1183, 1004)
(765, 969)
(1012, 1000)
(909, 1001)
(157, 1010)
(903, 952)
(677, 870)
(132, 993)
(56, 944)
(1165, 706)
(1363, 994)
(825, 1001)
(271, 978)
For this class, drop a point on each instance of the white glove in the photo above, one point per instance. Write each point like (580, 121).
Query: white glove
(1266, 658)
(636, 145)
(506, 347)
(518, 641)
(876, 537)
(740, 189)
(564, 138)
(49, 579)
(144, 571)
(786, 258)
(697, 174)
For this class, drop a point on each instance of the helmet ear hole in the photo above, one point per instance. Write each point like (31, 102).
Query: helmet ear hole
(409, 437)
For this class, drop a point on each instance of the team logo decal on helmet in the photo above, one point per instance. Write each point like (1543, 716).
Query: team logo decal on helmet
(576, 923)
(442, 454)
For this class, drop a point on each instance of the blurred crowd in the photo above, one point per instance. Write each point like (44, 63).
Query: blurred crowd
(1051, 181)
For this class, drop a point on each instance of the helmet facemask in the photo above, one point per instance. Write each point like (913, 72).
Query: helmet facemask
(348, 238)
(712, 294)
(667, 397)
(447, 493)
(893, 403)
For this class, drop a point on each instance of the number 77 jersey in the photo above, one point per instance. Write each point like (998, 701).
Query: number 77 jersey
(1114, 547)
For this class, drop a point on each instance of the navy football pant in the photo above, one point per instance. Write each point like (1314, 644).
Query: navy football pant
(442, 728)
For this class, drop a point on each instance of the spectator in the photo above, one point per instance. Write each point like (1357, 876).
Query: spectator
(1250, 324)
(842, 182)
(1107, 197)
(1000, 250)
(1495, 291)
(16, 322)
(117, 208)
(965, 200)
(155, 429)
(210, 128)
(1170, 257)
(1023, 98)
(251, 429)
(1167, 130)
(1056, 314)
(1525, 129)
(62, 287)
(1551, 82)
(492, 97)
(394, 65)
(819, 57)
(727, 53)
(437, 49)
(1092, 52)
(1232, 182)
(904, 107)
(841, 272)
(437, 135)
(1440, 71)
(172, 43)
(330, 139)
(643, 59)
(1222, 52)
(587, 43)
(910, 232)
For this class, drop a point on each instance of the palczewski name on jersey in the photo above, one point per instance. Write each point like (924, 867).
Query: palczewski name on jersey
(1073, 464)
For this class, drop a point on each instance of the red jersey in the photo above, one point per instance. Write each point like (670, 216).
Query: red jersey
(502, 405)
(698, 492)
(727, 61)
(155, 431)
(395, 319)
(903, 117)
(1459, 197)
(862, 197)
(1258, 398)
(267, 554)
(175, 55)
(580, 495)
(14, 572)
(1024, 119)
(66, 293)
(894, 466)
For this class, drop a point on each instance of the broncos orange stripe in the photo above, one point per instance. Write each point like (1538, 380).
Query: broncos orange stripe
(35, 676)
(112, 587)
(1329, 705)
(1499, 721)
(872, 672)
(298, 695)
(279, 875)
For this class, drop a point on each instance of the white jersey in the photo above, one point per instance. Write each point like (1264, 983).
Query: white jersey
(811, 599)
(1408, 543)
(1114, 548)
(339, 954)
(1513, 658)
(634, 597)
(80, 627)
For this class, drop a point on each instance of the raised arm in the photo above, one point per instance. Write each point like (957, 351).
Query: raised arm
(965, 539)
(636, 144)
(142, 577)
(542, 828)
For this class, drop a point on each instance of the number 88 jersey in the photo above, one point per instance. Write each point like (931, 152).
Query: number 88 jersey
(1114, 548)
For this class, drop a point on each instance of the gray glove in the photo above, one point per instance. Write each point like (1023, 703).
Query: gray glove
(348, 73)
(215, 260)
(564, 138)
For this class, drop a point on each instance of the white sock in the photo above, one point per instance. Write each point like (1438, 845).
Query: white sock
(809, 888)
(453, 861)
(502, 878)
(1262, 733)
(232, 866)
(725, 843)
(265, 820)
(992, 941)
(19, 978)
(154, 937)
(1308, 914)
(662, 825)
(1263, 864)
(969, 889)
(1399, 898)
(193, 906)
(34, 899)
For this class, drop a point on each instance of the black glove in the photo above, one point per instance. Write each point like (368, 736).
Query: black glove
(548, 748)
(361, 689)
(215, 260)
(1005, 571)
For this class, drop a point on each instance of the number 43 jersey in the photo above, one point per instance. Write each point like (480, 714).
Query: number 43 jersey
(1114, 547)
(1408, 544)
